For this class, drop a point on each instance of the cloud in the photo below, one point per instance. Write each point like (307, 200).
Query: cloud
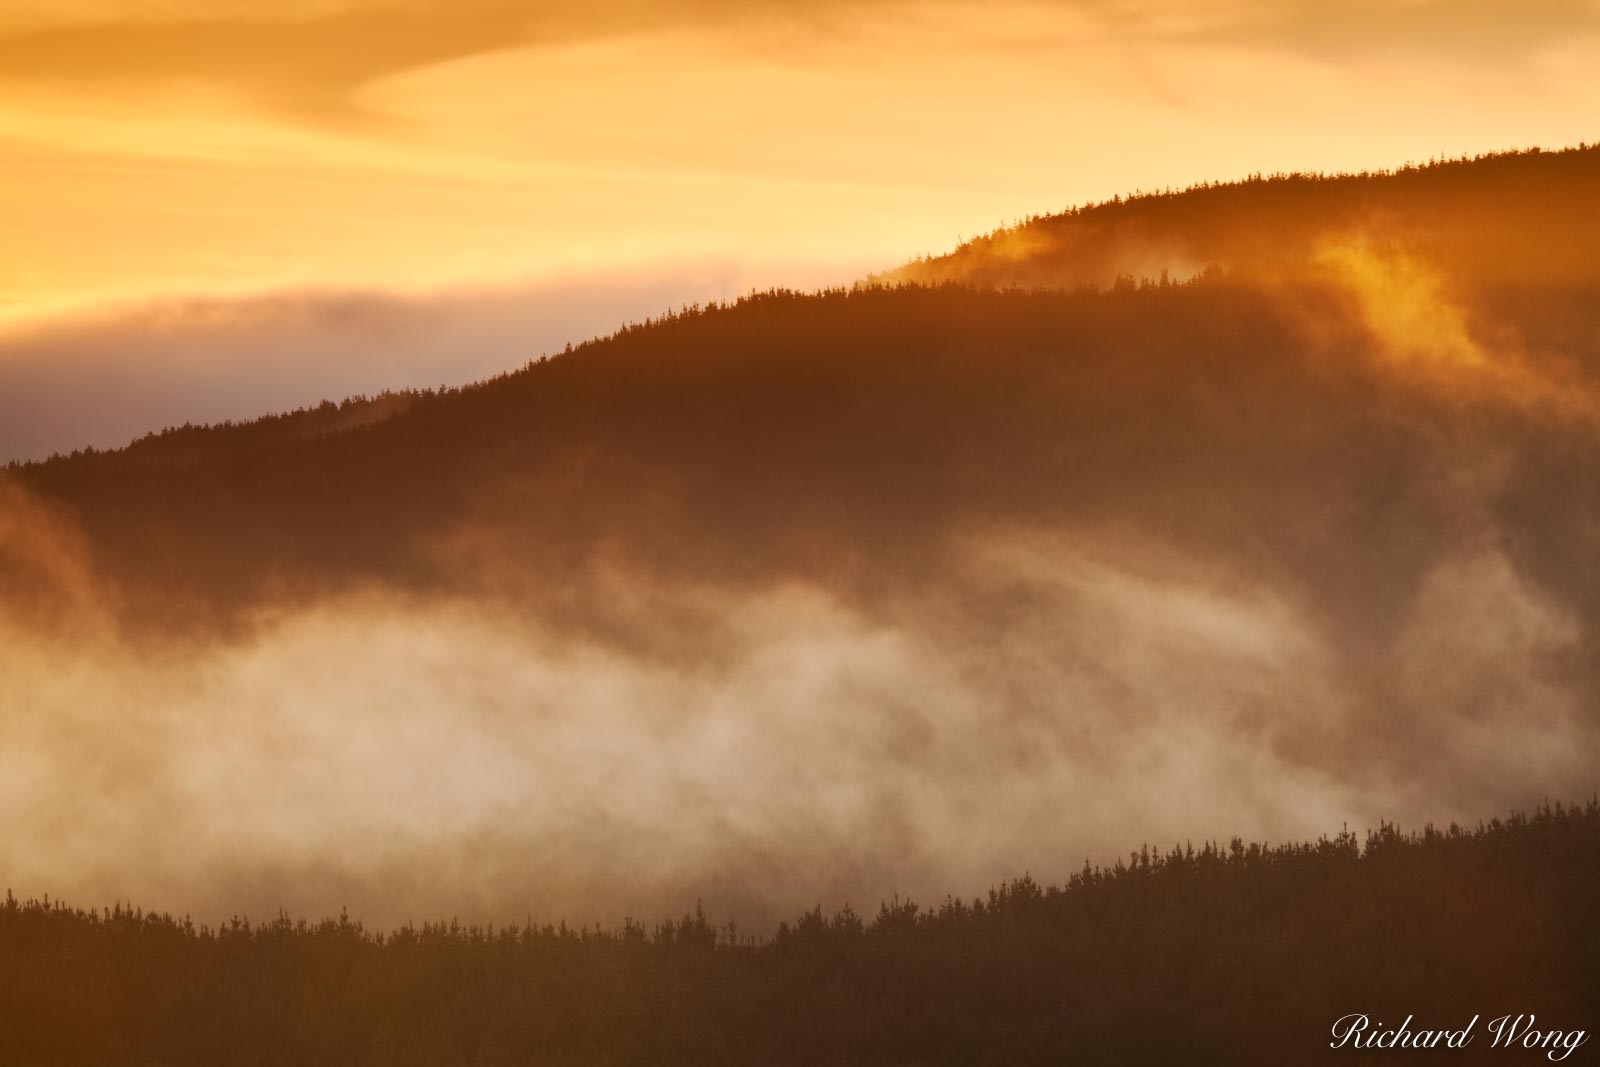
(312, 63)
(315, 58)
(1457, 29)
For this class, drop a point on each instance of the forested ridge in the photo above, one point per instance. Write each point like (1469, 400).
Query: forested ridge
(852, 433)
(1479, 214)
(1213, 953)
(1416, 318)
(1248, 503)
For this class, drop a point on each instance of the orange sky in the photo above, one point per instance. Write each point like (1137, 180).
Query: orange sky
(212, 209)
(184, 146)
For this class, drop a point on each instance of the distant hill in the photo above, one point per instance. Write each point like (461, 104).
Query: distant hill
(1523, 219)
(1361, 484)
(845, 438)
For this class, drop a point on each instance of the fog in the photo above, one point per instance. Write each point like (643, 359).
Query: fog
(1055, 697)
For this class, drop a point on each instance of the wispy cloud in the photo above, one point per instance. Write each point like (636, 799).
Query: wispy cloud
(310, 63)
(315, 58)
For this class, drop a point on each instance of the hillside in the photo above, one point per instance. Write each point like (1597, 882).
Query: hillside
(1350, 313)
(1518, 219)
(1236, 954)
(791, 434)
(843, 594)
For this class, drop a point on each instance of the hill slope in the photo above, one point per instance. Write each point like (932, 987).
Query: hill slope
(866, 591)
(1521, 219)
(1235, 955)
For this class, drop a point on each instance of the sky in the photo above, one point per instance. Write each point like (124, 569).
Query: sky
(164, 159)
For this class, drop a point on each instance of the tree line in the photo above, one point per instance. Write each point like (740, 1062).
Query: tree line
(1234, 953)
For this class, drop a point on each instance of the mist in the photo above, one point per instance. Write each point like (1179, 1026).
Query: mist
(1055, 697)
